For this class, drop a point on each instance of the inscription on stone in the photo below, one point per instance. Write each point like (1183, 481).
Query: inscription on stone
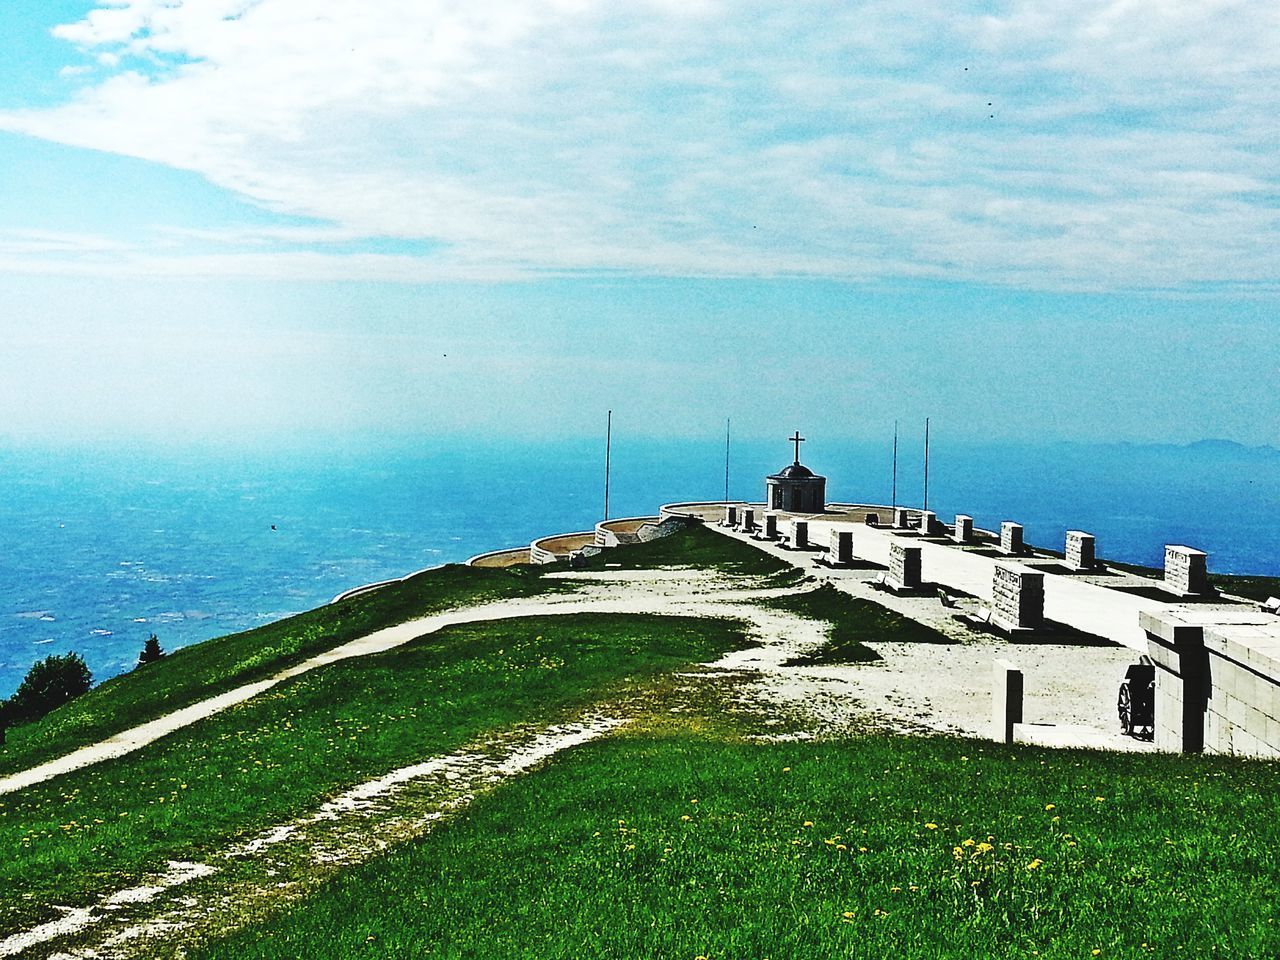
(1017, 598)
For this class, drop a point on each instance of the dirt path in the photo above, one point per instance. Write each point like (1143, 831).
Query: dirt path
(188, 902)
(692, 593)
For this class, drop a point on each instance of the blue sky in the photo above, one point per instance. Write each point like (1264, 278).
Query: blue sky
(254, 218)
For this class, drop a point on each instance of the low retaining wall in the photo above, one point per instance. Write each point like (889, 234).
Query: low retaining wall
(513, 557)
(558, 547)
(368, 587)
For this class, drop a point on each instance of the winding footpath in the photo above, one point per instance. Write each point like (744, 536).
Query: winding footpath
(686, 593)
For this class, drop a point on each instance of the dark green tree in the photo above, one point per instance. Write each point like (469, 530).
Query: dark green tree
(151, 651)
(49, 684)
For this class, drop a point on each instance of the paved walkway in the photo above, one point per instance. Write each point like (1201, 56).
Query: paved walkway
(1071, 600)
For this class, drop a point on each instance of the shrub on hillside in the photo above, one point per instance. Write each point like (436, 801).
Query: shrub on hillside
(49, 684)
(151, 651)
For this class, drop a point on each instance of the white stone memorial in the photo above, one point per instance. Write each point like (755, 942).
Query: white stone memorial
(1079, 551)
(730, 516)
(904, 567)
(1017, 598)
(964, 529)
(1011, 538)
(841, 551)
(748, 520)
(771, 526)
(1185, 570)
(901, 518)
(927, 520)
(800, 534)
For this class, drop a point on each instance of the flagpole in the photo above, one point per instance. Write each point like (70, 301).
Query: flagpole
(926, 463)
(608, 452)
(726, 459)
(895, 465)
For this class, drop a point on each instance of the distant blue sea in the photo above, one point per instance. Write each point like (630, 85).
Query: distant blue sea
(101, 547)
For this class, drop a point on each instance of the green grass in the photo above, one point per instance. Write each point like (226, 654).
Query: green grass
(861, 848)
(1241, 585)
(853, 622)
(278, 755)
(205, 669)
(1254, 588)
(697, 546)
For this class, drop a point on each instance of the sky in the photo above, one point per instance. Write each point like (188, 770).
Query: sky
(237, 220)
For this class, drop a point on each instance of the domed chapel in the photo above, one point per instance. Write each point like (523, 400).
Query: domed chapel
(796, 488)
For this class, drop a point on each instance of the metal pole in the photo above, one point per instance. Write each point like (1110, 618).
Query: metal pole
(895, 465)
(726, 459)
(608, 451)
(926, 463)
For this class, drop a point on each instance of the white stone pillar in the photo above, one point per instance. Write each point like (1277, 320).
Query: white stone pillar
(771, 526)
(927, 520)
(1011, 538)
(841, 547)
(964, 529)
(901, 518)
(1017, 598)
(748, 520)
(1006, 700)
(730, 516)
(800, 534)
(1185, 570)
(904, 566)
(1079, 551)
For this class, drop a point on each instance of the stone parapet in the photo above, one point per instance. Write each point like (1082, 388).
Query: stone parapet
(1217, 680)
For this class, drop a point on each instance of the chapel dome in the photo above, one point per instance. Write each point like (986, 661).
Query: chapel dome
(795, 471)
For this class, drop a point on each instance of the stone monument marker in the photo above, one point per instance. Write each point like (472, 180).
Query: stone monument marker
(1017, 598)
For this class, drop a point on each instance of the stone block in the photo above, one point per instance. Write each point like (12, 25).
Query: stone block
(964, 529)
(748, 520)
(901, 518)
(1185, 570)
(800, 534)
(1006, 700)
(841, 547)
(1017, 598)
(928, 519)
(730, 516)
(904, 566)
(1080, 550)
(1011, 538)
(771, 526)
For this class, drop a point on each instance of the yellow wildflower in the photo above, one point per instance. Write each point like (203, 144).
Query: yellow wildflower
(1035, 864)
(931, 825)
(1050, 806)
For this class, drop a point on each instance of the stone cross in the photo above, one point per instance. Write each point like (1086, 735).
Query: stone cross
(797, 440)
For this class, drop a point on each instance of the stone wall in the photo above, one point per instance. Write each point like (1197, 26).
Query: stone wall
(1217, 681)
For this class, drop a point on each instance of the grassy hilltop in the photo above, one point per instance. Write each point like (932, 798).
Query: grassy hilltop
(703, 828)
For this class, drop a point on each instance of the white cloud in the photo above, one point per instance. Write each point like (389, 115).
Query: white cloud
(1101, 144)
